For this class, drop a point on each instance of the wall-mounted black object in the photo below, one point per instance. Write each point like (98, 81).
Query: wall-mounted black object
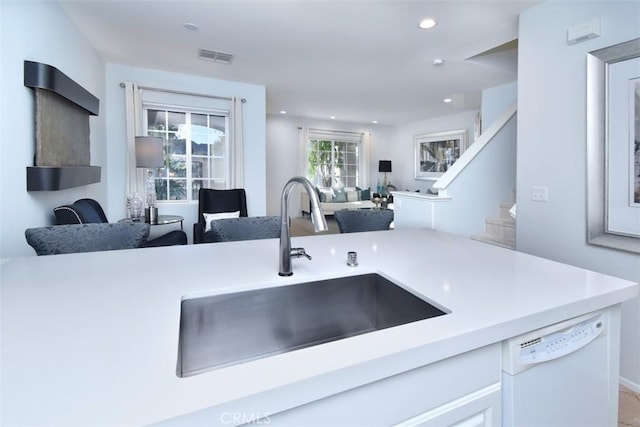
(43, 76)
(43, 178)
(62, 110)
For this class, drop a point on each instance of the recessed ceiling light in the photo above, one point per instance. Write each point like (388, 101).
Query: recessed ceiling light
(283, 112)
(375, 122)
(332, 117)
(438, 61)
(447, 100)
(190, 26)
(427, 23)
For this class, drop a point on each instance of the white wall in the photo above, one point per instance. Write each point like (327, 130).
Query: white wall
(39, 31)
(253, 129)
(477, 192)
(552, 145)
(401, 150)
(496, 100)
(487, 181)
(282, 152)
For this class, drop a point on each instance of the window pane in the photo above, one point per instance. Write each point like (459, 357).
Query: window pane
(199, 120)
(177, 167)
(220, 147)
(175, 120)
(196, 185)
(161, 189)
(162, 172)
(177, 189)
(352, 158)
(218, 123)
(218, 185)
(201, 140)
(156, 120)
(177, 146)
(199, 167)
(219, 168)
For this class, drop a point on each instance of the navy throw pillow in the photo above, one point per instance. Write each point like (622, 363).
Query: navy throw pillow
(366, 194)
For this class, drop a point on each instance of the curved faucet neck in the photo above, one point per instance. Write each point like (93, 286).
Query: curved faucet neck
(317, 216)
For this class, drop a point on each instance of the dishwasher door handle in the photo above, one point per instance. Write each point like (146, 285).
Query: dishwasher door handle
(552, 342)
(559, 344)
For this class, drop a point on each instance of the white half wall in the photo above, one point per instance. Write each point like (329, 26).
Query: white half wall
(40, 31)
(253, 128)
(552, 145)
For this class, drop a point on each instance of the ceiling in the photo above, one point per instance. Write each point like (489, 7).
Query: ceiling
(356, 60)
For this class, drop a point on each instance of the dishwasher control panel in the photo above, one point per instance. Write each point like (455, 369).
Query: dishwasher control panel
(552, 342)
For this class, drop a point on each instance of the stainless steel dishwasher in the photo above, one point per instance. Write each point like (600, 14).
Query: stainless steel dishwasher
(563, 375)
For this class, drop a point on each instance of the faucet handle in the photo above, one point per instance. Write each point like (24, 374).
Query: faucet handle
(299, 252)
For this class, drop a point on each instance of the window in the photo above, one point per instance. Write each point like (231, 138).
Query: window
(196, 151)
(334, 161)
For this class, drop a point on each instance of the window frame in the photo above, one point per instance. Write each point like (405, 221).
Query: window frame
(188, 111)
(338, 137)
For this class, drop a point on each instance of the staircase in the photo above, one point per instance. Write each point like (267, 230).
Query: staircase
(499, 231)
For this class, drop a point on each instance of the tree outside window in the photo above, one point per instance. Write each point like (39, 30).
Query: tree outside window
(333, 163)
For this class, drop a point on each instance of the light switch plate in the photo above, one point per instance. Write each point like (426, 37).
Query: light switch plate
(540, 194)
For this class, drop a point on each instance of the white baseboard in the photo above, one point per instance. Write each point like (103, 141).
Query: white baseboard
(630, 385)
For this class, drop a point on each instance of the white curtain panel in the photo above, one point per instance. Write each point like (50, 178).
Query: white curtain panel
(134, 177)
(364, 161)
(303, 137)
(237, 144)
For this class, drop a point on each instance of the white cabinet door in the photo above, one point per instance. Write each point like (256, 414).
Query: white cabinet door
(478, 409)
(463, 379)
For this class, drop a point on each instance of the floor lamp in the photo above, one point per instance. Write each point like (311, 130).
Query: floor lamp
(150, 155)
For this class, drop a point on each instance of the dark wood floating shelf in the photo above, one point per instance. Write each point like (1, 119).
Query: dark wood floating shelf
(43, 178)
(44, 76)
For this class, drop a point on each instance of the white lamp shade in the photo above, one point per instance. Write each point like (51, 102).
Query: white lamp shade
(149, 152)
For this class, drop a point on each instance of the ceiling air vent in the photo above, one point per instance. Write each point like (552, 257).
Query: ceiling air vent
(212, 55)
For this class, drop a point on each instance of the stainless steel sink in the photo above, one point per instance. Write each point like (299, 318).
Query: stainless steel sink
(222, 330)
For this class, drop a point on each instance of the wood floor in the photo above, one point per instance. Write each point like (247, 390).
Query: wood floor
(304, 227)
(629, 408)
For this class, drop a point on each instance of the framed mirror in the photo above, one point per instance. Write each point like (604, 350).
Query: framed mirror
(613, 147)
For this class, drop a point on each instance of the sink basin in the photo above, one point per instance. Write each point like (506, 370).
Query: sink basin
(221, 330)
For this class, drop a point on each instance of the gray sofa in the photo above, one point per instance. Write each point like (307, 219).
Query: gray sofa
(330, 207)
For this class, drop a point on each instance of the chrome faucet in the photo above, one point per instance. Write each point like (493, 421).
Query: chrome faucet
(317, 218)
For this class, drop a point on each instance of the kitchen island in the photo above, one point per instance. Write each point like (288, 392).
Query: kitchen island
(92, 339)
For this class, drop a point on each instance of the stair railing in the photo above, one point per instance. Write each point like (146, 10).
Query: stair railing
(452, 173)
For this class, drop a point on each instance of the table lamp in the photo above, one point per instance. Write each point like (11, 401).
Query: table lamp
(150, 155)
(384, 166)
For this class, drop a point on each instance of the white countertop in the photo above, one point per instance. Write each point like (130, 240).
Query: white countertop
(92, 338)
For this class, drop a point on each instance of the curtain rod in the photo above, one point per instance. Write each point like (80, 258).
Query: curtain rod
(334, 131)
(178, 92)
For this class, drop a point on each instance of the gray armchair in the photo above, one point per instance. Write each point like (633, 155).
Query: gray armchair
(73, 238)
(89, 211)
(245, 228)
(357, 220)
